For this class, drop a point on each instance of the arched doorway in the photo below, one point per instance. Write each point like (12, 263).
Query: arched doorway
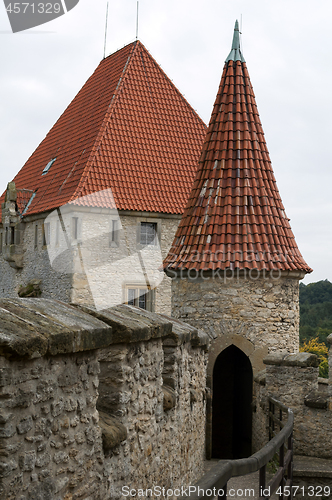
(231, 404)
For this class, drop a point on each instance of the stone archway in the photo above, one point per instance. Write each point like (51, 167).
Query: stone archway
(231, 405)
(255, 357)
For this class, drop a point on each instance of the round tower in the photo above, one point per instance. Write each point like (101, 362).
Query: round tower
(234, 261)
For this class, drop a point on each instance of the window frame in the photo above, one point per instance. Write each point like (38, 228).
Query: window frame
(114, 233)
(46, 228)
(75, 228)
(150, 295)
(157, 240)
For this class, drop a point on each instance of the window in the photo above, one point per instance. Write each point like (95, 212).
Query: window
(36, 236)
(114, 233)
(74, 227)
(57, 233)
(148, 234)
(1, 241)
(46, 233)
(48, 166)
(141, 297)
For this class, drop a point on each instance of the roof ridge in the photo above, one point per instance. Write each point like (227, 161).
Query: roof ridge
(89, 163)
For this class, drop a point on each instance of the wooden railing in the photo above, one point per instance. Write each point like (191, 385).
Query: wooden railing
(279, 447)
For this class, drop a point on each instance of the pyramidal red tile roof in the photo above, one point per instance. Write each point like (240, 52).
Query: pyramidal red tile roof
(234, 218)
(128, 129)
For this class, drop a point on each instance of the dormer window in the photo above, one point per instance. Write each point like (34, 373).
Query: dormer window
(48, 166)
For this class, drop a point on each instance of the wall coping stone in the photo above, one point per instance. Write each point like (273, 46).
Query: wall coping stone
(132, 324)
(34, 327)
(275, 358)
(299, 359)
(316, 399)
(182, 332)
(312, 467)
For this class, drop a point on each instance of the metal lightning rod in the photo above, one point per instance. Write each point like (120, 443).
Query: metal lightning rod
(137, 20)
(105, 31)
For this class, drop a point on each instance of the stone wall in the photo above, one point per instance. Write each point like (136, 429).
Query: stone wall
(265, 311)
(293, 379)
(92, 402)
(36, 268)
(94, 267)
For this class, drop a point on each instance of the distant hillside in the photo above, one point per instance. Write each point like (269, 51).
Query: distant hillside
(315, 310)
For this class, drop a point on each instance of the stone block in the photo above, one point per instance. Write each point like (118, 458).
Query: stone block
(275, 358)
(24, 425)
(301, 359)
(68, 377)
(169, 398)
(113, 431)
(316, 399)
(27, 461)
(43, 460)
(4, 416)
(7, 431)
(61, 457)
(5, 376)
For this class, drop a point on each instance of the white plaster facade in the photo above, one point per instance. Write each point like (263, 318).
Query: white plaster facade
(97, 265)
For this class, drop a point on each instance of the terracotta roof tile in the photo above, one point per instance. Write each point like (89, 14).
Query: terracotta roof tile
(234, 218)
(128, 129)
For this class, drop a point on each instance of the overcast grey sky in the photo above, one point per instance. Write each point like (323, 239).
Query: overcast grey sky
(286, 43)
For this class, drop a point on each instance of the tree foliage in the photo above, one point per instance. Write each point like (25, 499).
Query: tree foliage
(321, 350)
(316, 320)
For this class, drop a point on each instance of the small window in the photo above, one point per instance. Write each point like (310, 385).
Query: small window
(48, 166)
(114, 233)
(46, 233)
(17, 236)
(140, 297)
(12, 235)
(57, 233)
(36, 236)
(74, 227)
(148, 233)
(1, 241)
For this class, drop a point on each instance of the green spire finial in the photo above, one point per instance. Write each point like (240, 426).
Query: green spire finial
(235, 54)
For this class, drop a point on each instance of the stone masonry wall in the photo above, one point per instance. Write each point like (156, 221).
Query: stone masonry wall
(264, 311)
(50, 438)
(162, 448)
(123, 264)
(293, 379)
(94, 267)
(92, 402)
(36, 266)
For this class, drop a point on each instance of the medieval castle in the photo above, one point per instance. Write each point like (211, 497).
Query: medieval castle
(113, 373)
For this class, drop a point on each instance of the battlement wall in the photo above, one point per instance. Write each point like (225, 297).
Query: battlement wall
(294, 380)
(93, 402)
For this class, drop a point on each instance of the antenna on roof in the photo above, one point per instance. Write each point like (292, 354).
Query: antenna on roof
(105, 31)
(241, 43)
(137, 21)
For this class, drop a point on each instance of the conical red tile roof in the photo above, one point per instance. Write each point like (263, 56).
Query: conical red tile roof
(234, 218)
(128, 129)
